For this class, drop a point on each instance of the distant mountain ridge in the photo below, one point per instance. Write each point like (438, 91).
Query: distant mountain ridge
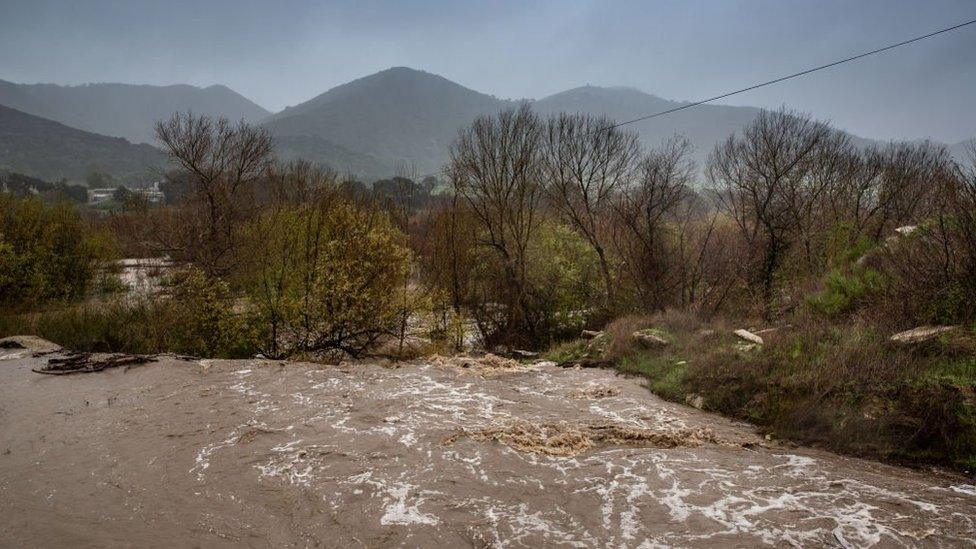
(43, 148)
(408, 118)
(399, 120)
(703, 126)
(404, 117)
(125, 110)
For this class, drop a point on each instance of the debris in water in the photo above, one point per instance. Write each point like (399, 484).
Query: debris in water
(564, 440)
(602, 391)
(252, 433)
(489, 365)
(85, 363)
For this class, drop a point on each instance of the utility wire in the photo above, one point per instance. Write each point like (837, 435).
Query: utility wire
(794, 75)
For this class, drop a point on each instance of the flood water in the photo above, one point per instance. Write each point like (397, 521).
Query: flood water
(262, 453)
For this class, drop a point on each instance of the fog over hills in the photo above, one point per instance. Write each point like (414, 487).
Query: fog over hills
(397, 120)
(403, 117)
(410, 117)
(704, 125)
(47, 149)
(125, 110)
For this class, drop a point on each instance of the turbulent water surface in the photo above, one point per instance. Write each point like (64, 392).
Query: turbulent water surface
(442, 453)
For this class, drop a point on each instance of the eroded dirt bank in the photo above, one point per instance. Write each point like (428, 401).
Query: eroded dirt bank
(258, 453)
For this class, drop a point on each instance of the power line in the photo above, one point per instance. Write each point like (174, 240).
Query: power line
(794, 75)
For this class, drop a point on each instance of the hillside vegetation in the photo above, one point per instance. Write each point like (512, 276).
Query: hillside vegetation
(46, 149)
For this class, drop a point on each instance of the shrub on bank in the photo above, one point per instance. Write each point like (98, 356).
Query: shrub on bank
(47, 252)
(324, 277)
(199, 322)
(844, 387)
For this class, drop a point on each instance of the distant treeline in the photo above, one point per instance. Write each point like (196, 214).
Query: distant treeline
(24, 185)
(399, 191)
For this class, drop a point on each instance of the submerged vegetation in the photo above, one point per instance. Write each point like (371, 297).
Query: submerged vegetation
(547, 228)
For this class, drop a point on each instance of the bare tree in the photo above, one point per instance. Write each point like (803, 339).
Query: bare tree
(586, 160)
(909, 190)
(766, 181)
(222, 161)
(643, 208)
(495, 169)
(878, 189)
(854, 197)
(297, 182)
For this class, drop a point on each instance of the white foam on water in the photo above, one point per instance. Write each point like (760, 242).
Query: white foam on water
(202, 461)
(967, 489)
(398, 511)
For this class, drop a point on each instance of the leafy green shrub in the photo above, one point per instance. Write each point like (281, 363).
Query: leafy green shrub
(948, 305)
(564, 277)
(202, 318)
(47, 252)
(325, 276)
(844, 292)
(198, 322)
(113, 326)
(576, 349)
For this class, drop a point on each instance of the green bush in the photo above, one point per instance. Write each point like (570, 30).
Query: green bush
(202, 318)
(564, 279)
(665, 372)
(93, 326)
(325, 276)
(845, 291)
(199, 320)
(47, 252)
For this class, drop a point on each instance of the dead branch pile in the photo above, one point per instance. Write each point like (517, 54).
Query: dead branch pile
(488, 365)
(601, 391)
(86, 363)
(564, 440)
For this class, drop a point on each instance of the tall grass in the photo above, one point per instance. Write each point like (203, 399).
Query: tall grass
(126, 326)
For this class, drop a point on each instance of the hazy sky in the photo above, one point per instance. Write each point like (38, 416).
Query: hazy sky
(282, 53)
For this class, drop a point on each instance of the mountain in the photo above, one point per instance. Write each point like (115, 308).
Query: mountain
(704, 125)
(403, 117)
(399, 120)
(44, 148)
(364, 166)
(125, 110)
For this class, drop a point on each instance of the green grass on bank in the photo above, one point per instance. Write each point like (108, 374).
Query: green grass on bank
(843, 387)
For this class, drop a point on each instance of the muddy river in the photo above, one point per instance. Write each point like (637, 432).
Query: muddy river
(186, 453)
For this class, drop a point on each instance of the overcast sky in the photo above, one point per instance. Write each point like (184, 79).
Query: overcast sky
(282, 53)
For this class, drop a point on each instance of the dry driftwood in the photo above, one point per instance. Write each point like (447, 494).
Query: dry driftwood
(85, 363)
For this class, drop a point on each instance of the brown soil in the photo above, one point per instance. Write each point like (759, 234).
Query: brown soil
(259, 453)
